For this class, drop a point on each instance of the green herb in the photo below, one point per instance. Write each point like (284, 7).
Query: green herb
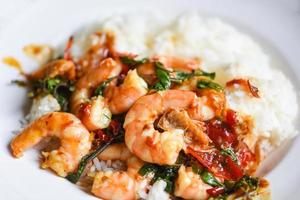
(61, 90)
(100, 89)
(132, 62)
(229, 152)
(164, 172)
(182, 76)
(197, 169)
(202, 84)
(210, 179)
(163, 76)
(148, 168)
(75, 176)
(19, 83)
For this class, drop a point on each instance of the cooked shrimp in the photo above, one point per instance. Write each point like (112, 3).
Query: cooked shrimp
(148, 73)
(63, 68)
(213, 103)
(102, 45)
(83, 91)
(189, 185)
(179, 64)
(120, 98)
(140, 135)
(120, 184)
(95, 114)
(74, 141)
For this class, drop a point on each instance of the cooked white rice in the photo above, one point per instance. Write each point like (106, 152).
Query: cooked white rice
(224, 50)
(42, 105)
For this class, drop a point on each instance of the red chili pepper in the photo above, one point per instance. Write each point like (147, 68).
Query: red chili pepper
(102, 135)
(244, 154)
(85, 109)
(247, 86)
(221, 133)
(114, 127)
(212, 160)
(235, 171)
(215, 191)
(125, 70)
(231, 117)
(67, 50)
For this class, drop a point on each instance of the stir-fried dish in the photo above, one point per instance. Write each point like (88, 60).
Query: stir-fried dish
(143, 128)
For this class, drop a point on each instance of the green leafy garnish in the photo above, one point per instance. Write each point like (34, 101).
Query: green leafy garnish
(163, 76)
(163, 172)
(19, 83)
(60, 88)
(100, 89)
(182, 76)
(247, 184)
(75, 176)
(132, 62)
(202, 84)
(197, 169)
(210, 179)
(229, 152)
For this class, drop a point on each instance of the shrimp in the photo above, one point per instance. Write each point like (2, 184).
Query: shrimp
(102, 45)
(213, 103)
(121, 98)
(179, 64)
(74, 141)
(141, 137)
(147, 71)
(63, 68)
(119, 184)
(117, 99)
(83, 91)
(189, 185)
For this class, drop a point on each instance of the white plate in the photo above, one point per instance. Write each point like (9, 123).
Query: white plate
(271, 23)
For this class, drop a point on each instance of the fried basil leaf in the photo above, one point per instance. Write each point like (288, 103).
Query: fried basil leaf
(163, 76)
(161, 172)
(100, 89)
(203, 84)
(229, 152)
(210, 179)
(60, 88)
(133, 62)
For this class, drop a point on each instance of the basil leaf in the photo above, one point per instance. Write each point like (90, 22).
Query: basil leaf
(210, 179)
(182, 76)
(60, 88)
(202, 84)
(132, 62)
(19, 83)
(163, 76)
(75, 176)
(100, 89)
(200, 72)
(163, 172)
(229, 152)
(147, 168)
(197, 169)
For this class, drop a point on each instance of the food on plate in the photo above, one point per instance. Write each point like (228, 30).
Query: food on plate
(188, 110)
